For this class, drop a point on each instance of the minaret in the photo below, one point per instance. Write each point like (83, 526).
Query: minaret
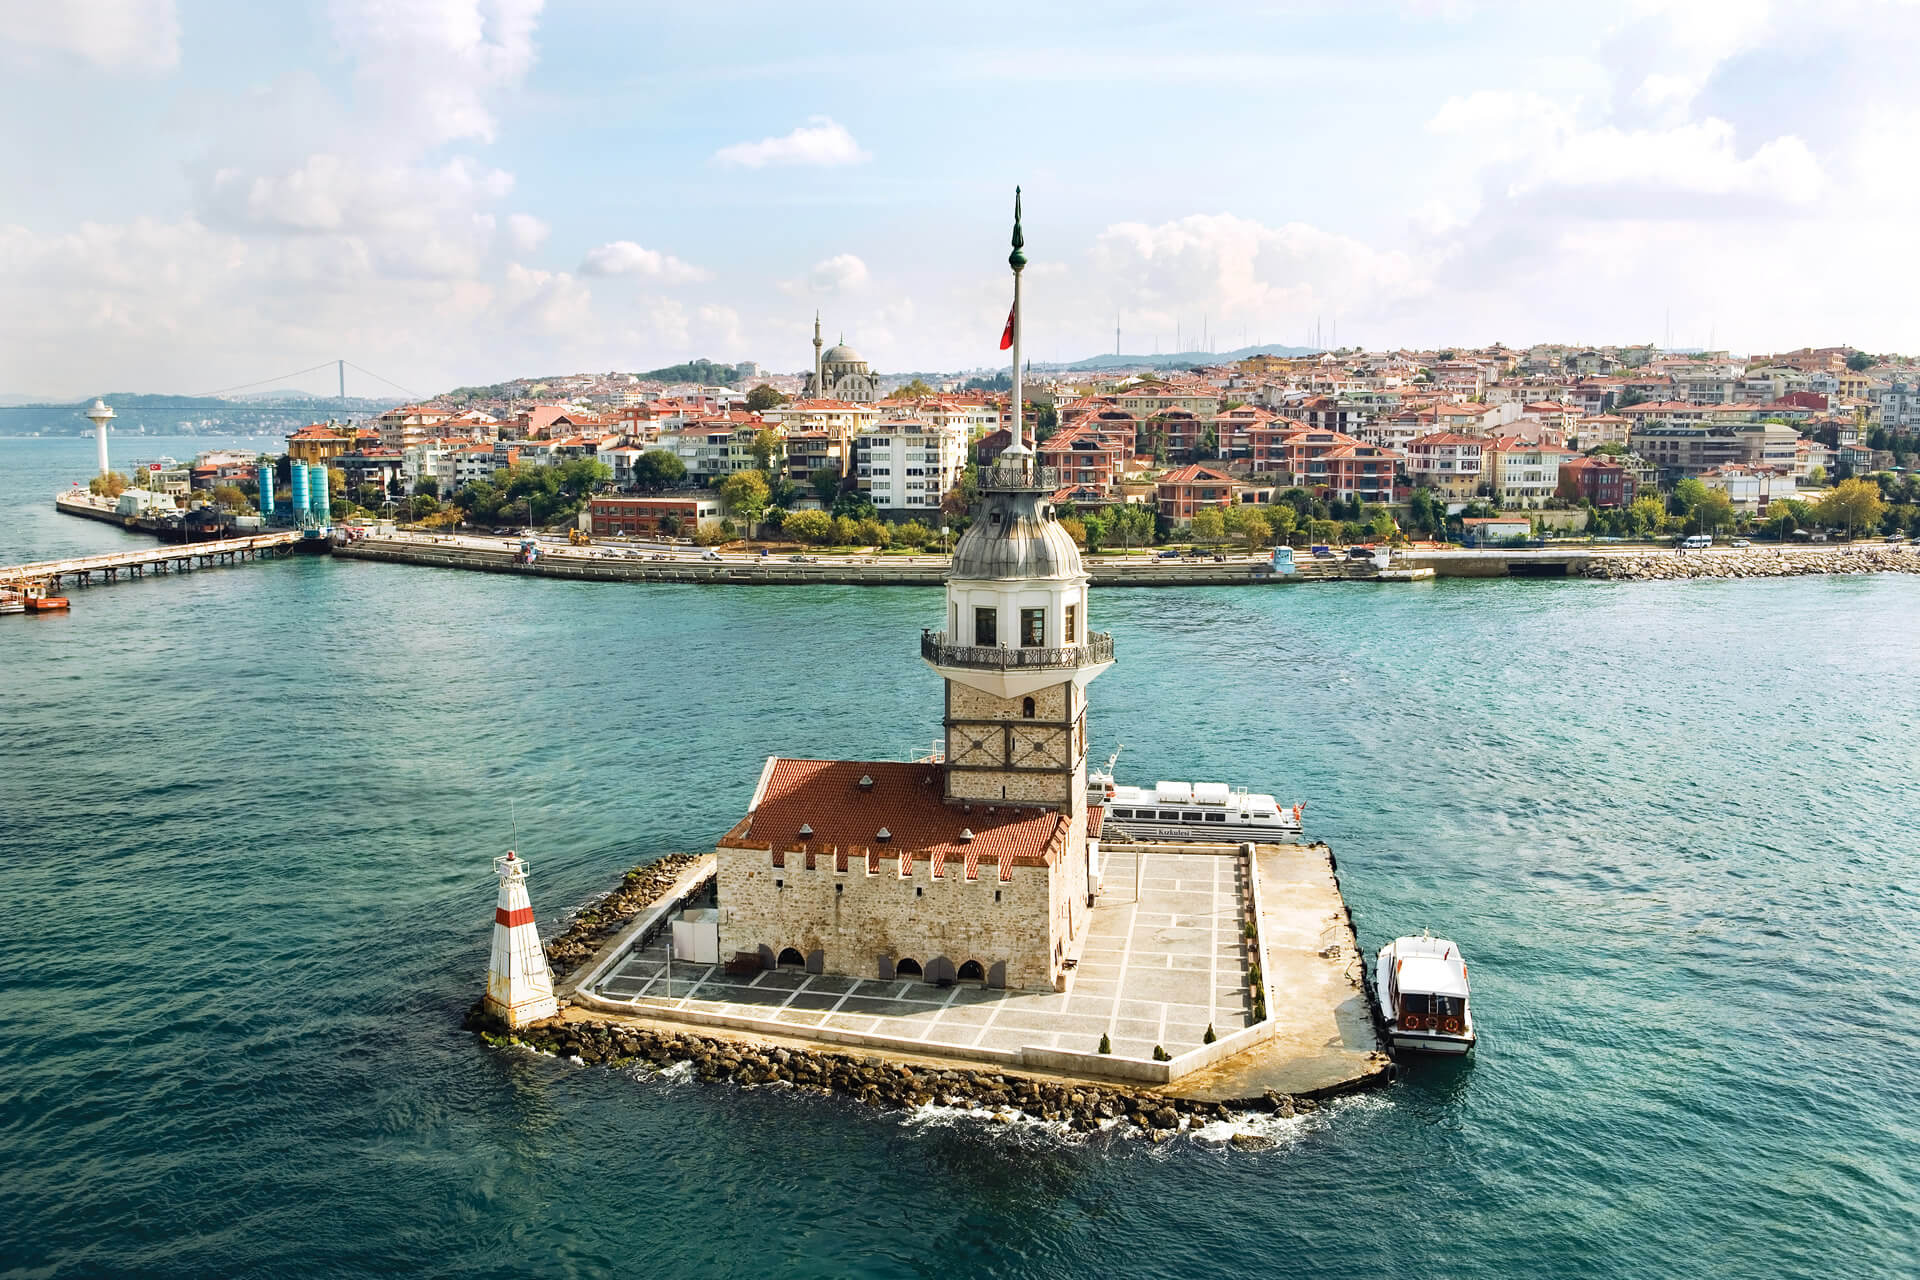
(519, 984)
(100, 414)
(819, 388)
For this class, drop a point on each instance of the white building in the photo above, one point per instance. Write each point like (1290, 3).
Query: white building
(908, 465)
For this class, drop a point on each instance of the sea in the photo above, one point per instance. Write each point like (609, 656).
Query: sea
(247, 815)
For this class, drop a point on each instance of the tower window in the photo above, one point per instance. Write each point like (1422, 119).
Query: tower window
(1026, 708)
(1033, 628)
(985, 627)
(1072, 610)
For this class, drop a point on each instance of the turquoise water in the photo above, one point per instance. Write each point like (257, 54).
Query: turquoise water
(248, 817)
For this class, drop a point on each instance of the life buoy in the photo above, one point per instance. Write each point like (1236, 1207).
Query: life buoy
(1451, 1026)
(1409, 1022)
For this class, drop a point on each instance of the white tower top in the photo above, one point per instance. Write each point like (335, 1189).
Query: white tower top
(100, 412)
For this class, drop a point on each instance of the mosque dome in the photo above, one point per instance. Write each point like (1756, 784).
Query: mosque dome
(1015, 535)
(841, 353)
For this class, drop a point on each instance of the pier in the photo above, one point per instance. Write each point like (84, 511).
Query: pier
(176, 558)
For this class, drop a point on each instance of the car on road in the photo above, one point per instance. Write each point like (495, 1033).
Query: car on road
(1323, 552)
(1741, 542)
(803, 559)
(1168, 554)
(709, 555)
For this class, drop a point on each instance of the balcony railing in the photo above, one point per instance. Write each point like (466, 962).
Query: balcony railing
(1013, 477)
(935, 649)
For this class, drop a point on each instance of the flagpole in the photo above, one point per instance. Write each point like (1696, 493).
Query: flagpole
(1018, 261)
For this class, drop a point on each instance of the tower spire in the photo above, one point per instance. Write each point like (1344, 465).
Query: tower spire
(1018, 261)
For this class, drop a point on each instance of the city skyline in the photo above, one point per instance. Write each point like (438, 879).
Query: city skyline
(454, 192)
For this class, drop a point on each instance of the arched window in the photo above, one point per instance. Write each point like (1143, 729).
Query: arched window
(792, 959)
(971, 971)
(1026, 708)
(906, 968)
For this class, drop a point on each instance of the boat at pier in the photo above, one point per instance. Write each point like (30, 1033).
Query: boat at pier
(1206, 811)
(1422, 988)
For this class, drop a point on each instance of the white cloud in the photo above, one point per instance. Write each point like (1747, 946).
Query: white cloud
(841, 274)
(820, 142)
(1527, 143)
(625, 258)
(432, 68)
(525, 233)
(141, 35)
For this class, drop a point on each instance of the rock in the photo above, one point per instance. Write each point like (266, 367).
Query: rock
(1251, 1142)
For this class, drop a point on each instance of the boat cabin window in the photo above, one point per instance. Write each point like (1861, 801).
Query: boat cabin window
(984, 626)
(1192, 815)
(1438, 1006)
(1123, 813)
(1216, 817)
(1170, 815)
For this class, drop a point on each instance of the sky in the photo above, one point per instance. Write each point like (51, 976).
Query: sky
(205, 194)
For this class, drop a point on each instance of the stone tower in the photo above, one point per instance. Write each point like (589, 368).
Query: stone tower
(818, 389)
(1017, 653)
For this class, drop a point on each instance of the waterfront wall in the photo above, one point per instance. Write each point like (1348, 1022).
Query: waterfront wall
(858, 924)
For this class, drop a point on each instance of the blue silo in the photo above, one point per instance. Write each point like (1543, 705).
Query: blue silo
(266, 490)
(300, 500)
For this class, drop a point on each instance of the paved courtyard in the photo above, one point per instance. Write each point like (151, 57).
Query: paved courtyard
(1155, 971)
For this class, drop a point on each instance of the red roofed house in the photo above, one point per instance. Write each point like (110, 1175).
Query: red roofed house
(1452, 464)
(976, 865)
(1187, 490)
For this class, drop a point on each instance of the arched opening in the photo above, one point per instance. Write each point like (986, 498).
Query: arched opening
(792, 959)
(972, 971)
(906, 968)
(1026, 708)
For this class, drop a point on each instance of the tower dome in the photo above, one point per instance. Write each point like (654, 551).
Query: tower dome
(1016, 535)
(841, 353)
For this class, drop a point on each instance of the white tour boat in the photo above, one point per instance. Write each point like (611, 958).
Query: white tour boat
(1206, 811)
(1422, 984)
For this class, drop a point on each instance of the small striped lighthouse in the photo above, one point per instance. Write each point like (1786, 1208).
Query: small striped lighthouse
(519, 984)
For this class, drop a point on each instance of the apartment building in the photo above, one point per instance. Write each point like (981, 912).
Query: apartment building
(908, 465)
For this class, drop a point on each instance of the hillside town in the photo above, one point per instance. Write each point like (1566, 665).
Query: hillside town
(1491, 445)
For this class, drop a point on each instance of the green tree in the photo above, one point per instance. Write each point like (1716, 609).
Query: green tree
(765, 445)
(1817, 478)
(826, 484)
(746, 494)
(846, 530)
(230, 497)
(1854, 503)
(1132, 523)
(913, 533)
(808, 526)
(871, 531)
(1647, 516)
(854, 506)
(1255, 529)
(709, 534)
(1860, 362)
(427, 488)
(1210, 525)
(658, 469)
(110, 485)
(914, 390)
(1714, 512)
(1095, 527)
(1076, 529)
(1282, 520)
(763, 398)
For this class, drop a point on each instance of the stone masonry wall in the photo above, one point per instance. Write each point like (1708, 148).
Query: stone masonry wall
(856, 918)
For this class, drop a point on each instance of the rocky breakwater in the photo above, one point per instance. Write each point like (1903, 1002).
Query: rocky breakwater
(1753, 562)
(1081, 1106)
(600, 919)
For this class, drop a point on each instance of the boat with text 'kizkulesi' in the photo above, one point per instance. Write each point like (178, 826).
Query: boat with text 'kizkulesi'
(1206, 811)
(1422, 986)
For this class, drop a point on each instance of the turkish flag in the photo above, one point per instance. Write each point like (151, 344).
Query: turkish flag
(1006, 337)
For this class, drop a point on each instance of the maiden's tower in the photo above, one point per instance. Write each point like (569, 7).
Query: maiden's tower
(975, 864)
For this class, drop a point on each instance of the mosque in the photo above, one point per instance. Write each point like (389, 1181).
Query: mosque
(977, 863)
(840, 373)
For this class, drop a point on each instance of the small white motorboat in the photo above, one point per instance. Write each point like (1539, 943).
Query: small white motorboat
(1422, 986)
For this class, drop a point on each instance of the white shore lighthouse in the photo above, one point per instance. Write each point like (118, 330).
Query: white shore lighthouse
(100, 414)
(519, 984)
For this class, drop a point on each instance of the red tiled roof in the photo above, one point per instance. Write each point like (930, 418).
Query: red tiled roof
(908, 800)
